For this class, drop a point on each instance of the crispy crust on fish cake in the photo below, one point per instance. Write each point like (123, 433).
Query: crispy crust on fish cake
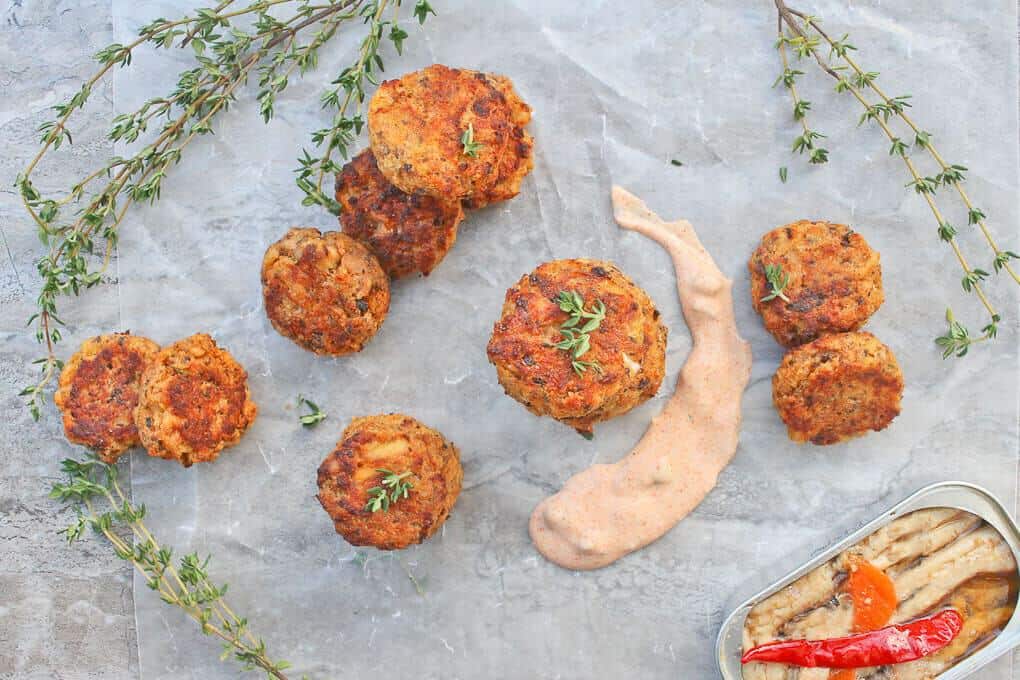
(98, 392)
(415, 125)
(194, 402)
(397, 443)
(324, 291)
(629, 345)
(835, 281)
(409, 233)
(837, 387)
(518, 161)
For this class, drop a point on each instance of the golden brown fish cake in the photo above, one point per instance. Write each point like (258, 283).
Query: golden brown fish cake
(835, 281)
(629, 345)
(397, 443)
(837, 387)
(409, 233)
(518, 161)
(416, 124)
(325, 291)
(98, 392)
(193, 402)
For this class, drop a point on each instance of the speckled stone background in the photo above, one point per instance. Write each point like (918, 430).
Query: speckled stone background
(619, 89)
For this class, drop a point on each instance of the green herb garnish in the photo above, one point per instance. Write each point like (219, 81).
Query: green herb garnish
(310, 419)
(677, 163)
(957, 339)
(802, 35)
(782, 174)
(391, 489)
(778, 280)
(576, 339)
(102, 505)
(471, 147)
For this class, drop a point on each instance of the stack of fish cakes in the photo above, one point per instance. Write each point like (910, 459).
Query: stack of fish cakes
(441, 140)
(815, 284)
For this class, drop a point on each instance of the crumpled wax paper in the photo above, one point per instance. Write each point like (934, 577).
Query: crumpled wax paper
(619, 90)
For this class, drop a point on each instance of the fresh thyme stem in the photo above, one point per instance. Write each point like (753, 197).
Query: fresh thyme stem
(576, 338)
(786, 69)
(927, 195)
(225, 56)
(806, 141)
(902, 114)
(141, 531)
(187, 587)
(349, 88)
(957, 339)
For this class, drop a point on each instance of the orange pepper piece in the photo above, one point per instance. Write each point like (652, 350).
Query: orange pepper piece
(843, 674)
(873, 595)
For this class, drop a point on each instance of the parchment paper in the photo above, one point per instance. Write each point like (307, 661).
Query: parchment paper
(619, 89)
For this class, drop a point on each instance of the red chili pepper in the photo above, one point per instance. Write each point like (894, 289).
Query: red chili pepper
(892, 644)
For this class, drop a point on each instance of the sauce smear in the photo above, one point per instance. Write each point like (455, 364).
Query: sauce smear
(608, 511)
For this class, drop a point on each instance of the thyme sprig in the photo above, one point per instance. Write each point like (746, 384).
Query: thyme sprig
(80, 228)
(93, 489)
(392, 488)
(314, 417)
(777, 280)
(957, 340)
(576, 337)
(467, 140)
(808, 38)
(806, 141)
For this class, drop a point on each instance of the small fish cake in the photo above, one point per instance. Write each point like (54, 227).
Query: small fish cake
(194, 402)
(629, 344)
(416, 126)
(98, 392)
(837, 387)
(354, 473)
(518, 161)
(324, 291)
(409, 233)
(835, 281)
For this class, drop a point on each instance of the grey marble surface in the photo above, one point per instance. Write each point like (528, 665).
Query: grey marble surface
(618, 89)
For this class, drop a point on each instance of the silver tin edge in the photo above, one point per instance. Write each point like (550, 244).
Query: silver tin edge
(953, 494)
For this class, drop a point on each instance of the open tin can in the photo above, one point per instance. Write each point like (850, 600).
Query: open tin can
(957, 495)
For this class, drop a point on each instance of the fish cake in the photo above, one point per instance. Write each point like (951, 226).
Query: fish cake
(325, 291)
(519, 160)
(837, 387)
(835, 281)
(409, 233)
(416, 125)
(629, 345)
(98, 392)
(369, 449)
(194, 401)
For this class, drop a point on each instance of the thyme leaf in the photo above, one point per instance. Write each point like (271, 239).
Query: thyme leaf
(577, 340)
(471, 147)
(310, 419)
(392, 488)
(778, 280)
